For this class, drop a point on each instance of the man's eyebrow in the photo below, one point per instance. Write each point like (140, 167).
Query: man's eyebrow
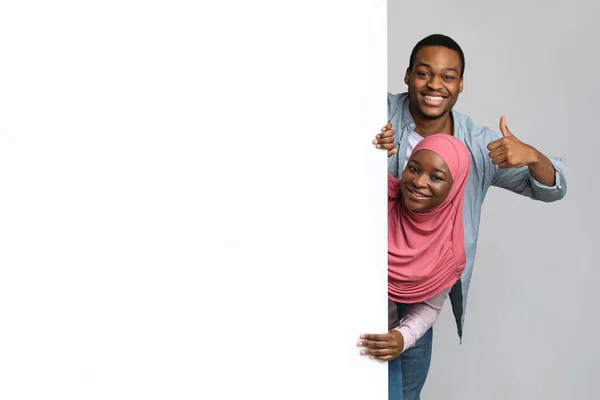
(450, 69)
(429, 66)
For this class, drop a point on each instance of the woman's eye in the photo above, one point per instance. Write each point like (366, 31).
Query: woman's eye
(412, 169)
(436, 178)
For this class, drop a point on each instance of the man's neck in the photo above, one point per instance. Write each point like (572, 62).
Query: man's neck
(427, 127)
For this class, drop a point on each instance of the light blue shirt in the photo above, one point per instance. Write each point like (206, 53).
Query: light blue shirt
(483, 175)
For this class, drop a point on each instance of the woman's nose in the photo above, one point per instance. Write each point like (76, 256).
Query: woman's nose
(420, 180)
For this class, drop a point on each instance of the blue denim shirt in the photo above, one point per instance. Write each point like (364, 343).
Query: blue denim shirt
(483, 175)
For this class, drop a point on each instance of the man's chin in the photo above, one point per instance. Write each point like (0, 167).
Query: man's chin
(432, 115)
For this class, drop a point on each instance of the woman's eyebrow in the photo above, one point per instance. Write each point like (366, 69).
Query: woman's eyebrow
(435, 169)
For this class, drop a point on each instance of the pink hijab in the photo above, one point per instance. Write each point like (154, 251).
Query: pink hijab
(426, 252)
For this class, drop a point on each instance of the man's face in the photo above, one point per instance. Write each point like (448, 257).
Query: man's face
(434, 81)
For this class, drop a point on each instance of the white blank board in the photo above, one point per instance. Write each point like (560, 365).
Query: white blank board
(190, 203)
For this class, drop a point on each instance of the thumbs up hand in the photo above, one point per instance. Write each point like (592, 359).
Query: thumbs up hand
(510, 152)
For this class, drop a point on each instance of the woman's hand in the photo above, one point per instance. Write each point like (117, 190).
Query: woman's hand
(384, 347)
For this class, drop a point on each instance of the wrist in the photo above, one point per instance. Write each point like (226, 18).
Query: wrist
(399, 338)
(534, 157)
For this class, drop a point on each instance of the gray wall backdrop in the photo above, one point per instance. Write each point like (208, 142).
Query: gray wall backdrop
(531, 324)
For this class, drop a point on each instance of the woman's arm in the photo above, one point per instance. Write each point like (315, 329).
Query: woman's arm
(420, 317)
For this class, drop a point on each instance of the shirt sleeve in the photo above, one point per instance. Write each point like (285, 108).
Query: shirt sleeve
(520, 181)
(420, 317)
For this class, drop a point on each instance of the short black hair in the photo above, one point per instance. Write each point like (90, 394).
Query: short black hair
(437, 40)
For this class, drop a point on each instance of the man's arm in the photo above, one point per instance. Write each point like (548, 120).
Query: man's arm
(523, 169)
(541, 168)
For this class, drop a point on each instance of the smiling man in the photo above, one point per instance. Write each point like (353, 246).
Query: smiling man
(435, 79)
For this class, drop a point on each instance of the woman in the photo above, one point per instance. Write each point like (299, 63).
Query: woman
(426, 253)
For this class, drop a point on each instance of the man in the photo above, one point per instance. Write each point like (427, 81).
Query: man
(435, 78)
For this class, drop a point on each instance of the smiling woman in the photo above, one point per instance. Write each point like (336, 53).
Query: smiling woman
(426, 253)
(426, 181)
(425, 227)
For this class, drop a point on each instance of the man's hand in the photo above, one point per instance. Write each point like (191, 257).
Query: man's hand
(385, 140)
(510, 152)
(384, 347)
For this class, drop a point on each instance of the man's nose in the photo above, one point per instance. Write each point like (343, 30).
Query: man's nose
(435, 83)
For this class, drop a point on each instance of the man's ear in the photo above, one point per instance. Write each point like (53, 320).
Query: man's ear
(407, 76)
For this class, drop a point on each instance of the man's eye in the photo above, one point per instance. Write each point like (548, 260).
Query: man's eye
(423, 74)
(448, 77)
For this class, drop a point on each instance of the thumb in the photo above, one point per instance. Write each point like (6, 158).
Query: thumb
(387, 127)
(504, 128)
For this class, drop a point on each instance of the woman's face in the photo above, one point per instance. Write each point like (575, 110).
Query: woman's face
(426, 181)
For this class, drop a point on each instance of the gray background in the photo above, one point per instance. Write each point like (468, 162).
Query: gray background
(531, 322)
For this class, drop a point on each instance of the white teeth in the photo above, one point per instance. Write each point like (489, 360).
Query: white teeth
(434, 98)
(417, 194)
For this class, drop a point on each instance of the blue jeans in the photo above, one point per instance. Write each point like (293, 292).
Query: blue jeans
(407, 373)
